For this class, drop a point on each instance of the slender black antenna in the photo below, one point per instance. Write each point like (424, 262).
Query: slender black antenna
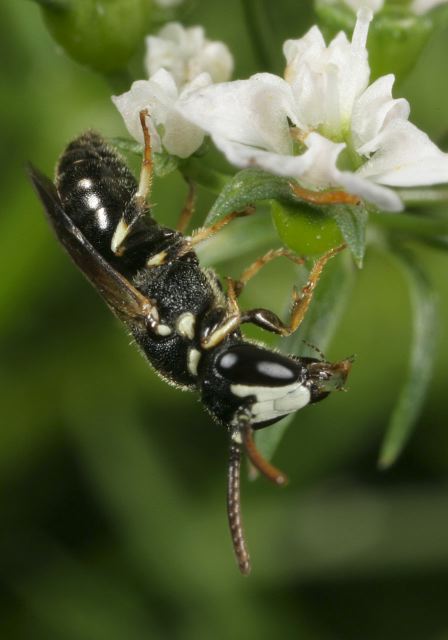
(316, 349)
(234, 509)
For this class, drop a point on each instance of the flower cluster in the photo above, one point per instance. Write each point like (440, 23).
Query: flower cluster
(321, 124)
(179, 62)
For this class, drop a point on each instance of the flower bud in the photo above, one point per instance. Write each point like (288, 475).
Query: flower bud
(305, 229)
(101, 35)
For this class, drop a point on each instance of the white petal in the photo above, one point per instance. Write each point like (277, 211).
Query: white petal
(327, 80)
(325, 154)
(373, 110)
(384, 198)
(250, 112)
(216, 59)
(181, 138)
(242, 155)
(159, 95)
(186, 53)
(406, 157)
(315, 167)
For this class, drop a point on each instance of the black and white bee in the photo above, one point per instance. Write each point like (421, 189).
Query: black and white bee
(176, 311)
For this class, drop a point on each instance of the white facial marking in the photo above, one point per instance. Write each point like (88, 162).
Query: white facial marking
(293, 401)
(263, 393)
(163, 330)
(93, 202)
(185, 325)
(101, 217)
(85, 183)
(156, 260)
(193, 360)
(119, 235)
(273, 402)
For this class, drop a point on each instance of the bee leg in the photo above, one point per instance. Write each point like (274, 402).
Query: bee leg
(146, 171)
(188, 208)
(254, 268)
(137, 206)
(261, 464)
(324, 197)
(269, 320)
(204, 233)
(234, 289)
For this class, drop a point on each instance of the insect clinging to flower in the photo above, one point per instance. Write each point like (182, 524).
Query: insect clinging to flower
(188, 328)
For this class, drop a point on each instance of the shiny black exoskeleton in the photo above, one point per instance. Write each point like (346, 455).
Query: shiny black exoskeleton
(181, 319)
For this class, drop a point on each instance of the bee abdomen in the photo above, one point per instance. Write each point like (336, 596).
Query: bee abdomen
(94, 185)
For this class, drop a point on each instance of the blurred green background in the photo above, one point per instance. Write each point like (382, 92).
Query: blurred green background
(112, 484)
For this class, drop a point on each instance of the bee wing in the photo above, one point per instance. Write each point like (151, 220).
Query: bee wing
(123, 298)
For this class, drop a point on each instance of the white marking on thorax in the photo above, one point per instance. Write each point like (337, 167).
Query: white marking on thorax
(272, 402)
(163, 330)
(185, 325)
(101, 217)
(193, 360)
(120, 234)
(156, 260)
(85, 183)
(237, 437)
(93, 202)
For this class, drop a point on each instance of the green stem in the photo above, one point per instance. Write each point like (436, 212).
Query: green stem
(258, 32)
(210, 179)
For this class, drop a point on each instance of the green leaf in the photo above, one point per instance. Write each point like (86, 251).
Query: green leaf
(254, 185)
(317, 328)
(164, 163)
(413, 393)
(127, 145)
(248, 187)
(352, 221)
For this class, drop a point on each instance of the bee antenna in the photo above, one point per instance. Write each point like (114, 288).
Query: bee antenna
(234, 509)
(316, 349)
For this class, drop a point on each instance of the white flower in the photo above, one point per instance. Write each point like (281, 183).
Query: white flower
(168, 128)
(322, 124)
(186, 53)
